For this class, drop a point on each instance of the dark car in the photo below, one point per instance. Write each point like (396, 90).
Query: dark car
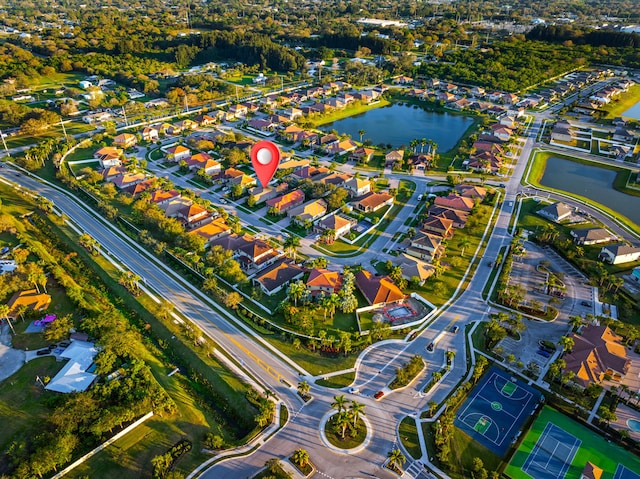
(586, 303)
(378, 395)
(42, 352)
(455, 329)
(430, 347)
(543, 353)
(502, 185)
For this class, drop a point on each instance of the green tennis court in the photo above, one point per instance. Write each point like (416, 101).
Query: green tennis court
(587, 446)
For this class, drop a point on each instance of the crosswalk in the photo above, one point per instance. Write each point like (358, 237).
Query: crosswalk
(416, 470)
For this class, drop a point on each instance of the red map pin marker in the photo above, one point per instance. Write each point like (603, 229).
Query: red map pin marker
(265, 158)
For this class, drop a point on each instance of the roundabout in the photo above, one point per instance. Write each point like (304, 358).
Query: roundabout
(351, 444)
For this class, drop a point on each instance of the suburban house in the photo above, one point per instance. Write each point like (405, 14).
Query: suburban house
(287, 201)
(193, 215)
(373, 202)
(362, 154)
(203, 161)
(426, 246)
(178, 153)
(274, 278)
(338, 224)
(459, 218)
(310, 211)
(204, 120)
(563, 131)
(378, 289)
(357, 187)
(162, 197)
(150, 133)
(413, 268)
(619, 253)
(342, 147)
(393, 157)
(139, 188)
(261, 194)
(7, 266)
(109, 156)
(556, 212)
(125, 140)
(589, 236)
(441, 226)
(212, 230)
(253, 254)
(237, 111)
(471, 191)
(125, 180)
(30, 299)
(455, 202)
(596, 353)
(336, 179)
(75, 376)
(323, 281)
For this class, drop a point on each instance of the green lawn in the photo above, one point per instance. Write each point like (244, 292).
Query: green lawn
(464, 450)
(275, 472)
(355, 109)
(594, 448)
(337, 382)
(622, 103)
(313, 362)
(349, 442)
(409, 437)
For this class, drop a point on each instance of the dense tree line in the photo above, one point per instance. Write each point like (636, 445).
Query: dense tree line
(596, 38)
(250, 48)
(354, 42)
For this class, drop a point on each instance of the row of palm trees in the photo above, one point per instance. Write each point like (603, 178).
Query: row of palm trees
(348, 414)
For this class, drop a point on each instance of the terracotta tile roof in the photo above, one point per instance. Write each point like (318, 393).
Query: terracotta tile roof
(159, 196)
(320, 278)
(214, 228)
(286, 201)
(31, 299)
(334, 222)
(471, 191)
(456, 202)
(374, 200)
(378, 289)
(438, 223)
(176, 150)
(279, 274)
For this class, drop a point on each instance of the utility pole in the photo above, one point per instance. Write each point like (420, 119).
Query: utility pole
(124, 114)
(4, 143)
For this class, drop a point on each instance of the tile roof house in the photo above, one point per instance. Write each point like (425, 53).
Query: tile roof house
(178, 153)
(150, 133)
(373, 202)
(619, 253)
(378, 289)
(471, 191)
(125, 140)
(597, 352)
(253, 254)
(426, 246)
(362, 154)
(323, 281)
(29, 298)
(212, 230)
(109, 156)
(193, 215)
(342, 147)
(126, 180)
(205, 120)
(556, 212)
(310, 211)
(393, 157)
(274, 278)
(139, 188)
(459, 218)
(437, 224)
(337, 223)
(161, 197)
(286, 201)
(589, 236)
(358, 187)
(455, 202)
(414, 268)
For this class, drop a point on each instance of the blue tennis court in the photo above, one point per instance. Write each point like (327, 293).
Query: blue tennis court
(496, 410)
(553, 453)
(625, 473)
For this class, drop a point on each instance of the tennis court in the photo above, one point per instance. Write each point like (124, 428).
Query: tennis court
(552, 455)
(496, 410)
(558, 447)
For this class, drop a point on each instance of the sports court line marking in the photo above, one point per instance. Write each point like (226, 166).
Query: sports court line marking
(532, 459)
(502, 434)
(623, 472)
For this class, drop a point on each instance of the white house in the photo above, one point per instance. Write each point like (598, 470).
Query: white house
(619, 253)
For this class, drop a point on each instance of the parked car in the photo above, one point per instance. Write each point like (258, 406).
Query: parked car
(430, 347)
(378, 395)
(455, 329)
(354, 390)
(43, 352)
(586, 303)
(543, 353)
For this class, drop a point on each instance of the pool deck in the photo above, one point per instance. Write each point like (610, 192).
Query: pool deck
(624, 413)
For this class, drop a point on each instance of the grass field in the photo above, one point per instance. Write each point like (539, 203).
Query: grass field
(594, 448)
(409, 436)
(617, 107)
(337, 382)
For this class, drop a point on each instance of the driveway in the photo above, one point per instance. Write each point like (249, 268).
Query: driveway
(10, 359)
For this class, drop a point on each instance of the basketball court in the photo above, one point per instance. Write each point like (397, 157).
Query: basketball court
(496, 410)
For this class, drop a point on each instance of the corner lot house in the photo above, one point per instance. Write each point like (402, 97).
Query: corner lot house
(178, 153)
(125, 140)
(373, 202)
(589, 236)
(323, 281)
(556, 212)
(619, 253)
(73, 377)
(278, 275)
(378, 289)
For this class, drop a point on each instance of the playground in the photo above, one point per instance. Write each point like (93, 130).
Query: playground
(550, 451)
(496, 410)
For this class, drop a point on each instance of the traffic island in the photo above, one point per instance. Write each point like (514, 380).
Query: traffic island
(343, 438)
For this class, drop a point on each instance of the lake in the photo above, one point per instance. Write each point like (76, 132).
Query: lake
(591, 182)
(633, 112)
(398, 124)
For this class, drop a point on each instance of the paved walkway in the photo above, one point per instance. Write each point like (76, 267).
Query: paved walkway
(11, 360)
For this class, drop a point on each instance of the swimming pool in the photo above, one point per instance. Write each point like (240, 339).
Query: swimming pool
(633, 425)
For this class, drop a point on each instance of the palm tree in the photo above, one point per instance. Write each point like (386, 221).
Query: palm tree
(303, 388)
(4, 314)
(575, 321)
(356, 409)
(432, 407)
(396, 459)
(464, 243)
(566, 342)
(296, 291)
(339, 403)
(300, 457)
(361, 132)
(342, 421)
(423, 142)
(413, 144)
(292, 243)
